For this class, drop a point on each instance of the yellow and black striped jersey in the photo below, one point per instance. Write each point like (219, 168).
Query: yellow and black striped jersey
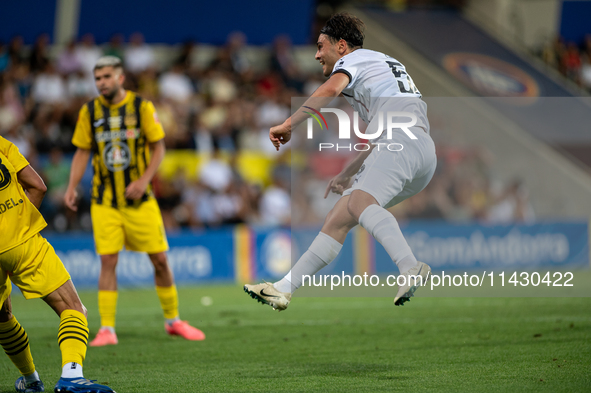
(118, 136)
(19, 218)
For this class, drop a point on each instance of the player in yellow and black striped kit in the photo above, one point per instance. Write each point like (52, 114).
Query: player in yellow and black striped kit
(122, 133)
(30, 262)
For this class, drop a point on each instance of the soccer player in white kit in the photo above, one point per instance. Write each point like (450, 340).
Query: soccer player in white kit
(373, 83)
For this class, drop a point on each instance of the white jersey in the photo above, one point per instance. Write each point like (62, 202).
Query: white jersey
(380, 83)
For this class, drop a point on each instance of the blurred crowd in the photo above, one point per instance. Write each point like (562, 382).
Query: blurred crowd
(571, 59)
(219, 110)
(464, 190)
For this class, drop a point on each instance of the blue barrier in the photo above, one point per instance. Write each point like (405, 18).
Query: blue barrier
(447, 246)
(193, 258)
(214, 256)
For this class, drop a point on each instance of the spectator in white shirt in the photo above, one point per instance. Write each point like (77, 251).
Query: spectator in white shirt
(88, 54)
(48, 87)
(275, 204)
(175, 85)
(138, 56)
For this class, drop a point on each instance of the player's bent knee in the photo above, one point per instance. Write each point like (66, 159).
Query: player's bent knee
(159, 261)
(354, 209)
(78, 306)
(358, 202)
(6, 311)
(332, 221)
(109, 261)
(329, 218)
(5, 315)
(72, 304)
(338, 225)
(351, 210)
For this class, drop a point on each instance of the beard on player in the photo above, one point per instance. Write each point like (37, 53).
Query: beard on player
(109, 94)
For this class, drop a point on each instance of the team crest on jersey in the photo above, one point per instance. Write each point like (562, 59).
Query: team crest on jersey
(116, 156)
(5, 177)
(490, 76)
(130, 120)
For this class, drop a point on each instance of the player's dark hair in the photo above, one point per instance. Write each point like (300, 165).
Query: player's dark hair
(347, 27)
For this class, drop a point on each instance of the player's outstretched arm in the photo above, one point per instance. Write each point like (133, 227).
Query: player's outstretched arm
(330, 89)
(33, 184)
(77, 170)
(281, 134)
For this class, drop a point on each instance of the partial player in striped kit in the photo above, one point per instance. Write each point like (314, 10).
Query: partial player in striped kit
(373, 83)
(30, 262)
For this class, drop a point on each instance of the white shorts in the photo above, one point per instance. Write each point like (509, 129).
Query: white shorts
(393, 176)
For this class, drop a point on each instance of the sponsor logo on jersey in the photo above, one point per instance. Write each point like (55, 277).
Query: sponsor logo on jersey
(490, 76)
(117, 135)
(116, 156)
(9, 204)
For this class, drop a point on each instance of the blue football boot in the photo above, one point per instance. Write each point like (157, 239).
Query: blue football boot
(80, 385)
(22, 387)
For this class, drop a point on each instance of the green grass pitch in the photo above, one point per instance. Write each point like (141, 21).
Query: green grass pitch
(327, 344)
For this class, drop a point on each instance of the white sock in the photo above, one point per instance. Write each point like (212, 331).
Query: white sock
(72, 370)
(284, 285)
(406, 263)
(34, 376)
(173, 320)
(323, 250)
(384, 228)
(109, 328)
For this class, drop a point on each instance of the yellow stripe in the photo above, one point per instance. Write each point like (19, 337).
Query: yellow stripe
(96, 179)
(119, 176)
(143, 148)
(131, 142)
(362, 251)
(243, 263)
